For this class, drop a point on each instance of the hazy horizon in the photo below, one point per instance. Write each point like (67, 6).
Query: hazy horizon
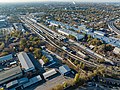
(10, 1)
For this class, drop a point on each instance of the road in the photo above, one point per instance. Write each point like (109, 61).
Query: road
(113, 28)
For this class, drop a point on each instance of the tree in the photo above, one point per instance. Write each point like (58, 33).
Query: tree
(77, 79)
(45, 59)
(108, 47)
(26, 50)
(65, 84)
(82, 65)
(53, 28)
(72, 37)
(2, 45)
(4, 53)
(31, 49)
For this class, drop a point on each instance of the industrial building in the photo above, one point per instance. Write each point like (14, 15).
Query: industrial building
(69, 32)
(6, 58)
(49, 73)
(99, 33)
(32, 81)
(18, 26)
(25, 62)
(10, 74)
(65, 70)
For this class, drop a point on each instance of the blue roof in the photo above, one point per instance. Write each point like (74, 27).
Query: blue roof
(110, 40)
(7, 57)
(64, 69)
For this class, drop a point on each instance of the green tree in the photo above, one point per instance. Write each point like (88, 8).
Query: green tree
(37, 53)
(23, 42)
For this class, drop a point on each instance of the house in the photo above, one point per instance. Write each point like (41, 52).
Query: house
(69, 32)
(64, 70)
(100, 33)
(25, 62)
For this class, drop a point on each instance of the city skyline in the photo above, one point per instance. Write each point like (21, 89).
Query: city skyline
(2, 1)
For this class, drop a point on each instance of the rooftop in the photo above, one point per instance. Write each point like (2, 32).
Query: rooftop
(64, 69)
(49, 73)
(10, 74)
(25, 61)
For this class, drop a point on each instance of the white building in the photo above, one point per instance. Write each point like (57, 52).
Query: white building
(82, 27)
(25, 62)
(69, 32)
(116, 50)
(99, 33)
(49, 73)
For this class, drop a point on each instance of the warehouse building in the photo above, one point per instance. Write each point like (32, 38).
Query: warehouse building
(32, 81)
(12, 84)
(6, 58)
(25, 62)
(10, 74)
(49, 73)
(65, 70)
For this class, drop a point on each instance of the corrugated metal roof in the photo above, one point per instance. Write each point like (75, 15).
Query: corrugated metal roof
(49, 73)
(5, 58)
(10, 74)
(23, 80)
(69, 32)
(32, 81)
(64, 69)
(25, 61)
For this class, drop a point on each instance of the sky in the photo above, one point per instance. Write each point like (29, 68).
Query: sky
(59, 0)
